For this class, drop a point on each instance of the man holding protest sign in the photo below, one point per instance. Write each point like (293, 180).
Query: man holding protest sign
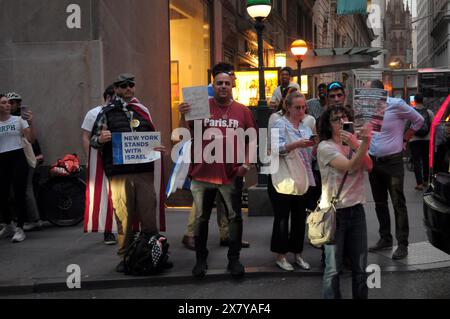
(218, 172)
(133, 174)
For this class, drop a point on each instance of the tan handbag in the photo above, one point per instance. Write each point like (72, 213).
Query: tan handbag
(29, 153)
(322, 221)
(291, 177)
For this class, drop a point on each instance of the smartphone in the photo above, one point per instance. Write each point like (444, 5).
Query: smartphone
(313, 137)
(24, 112)
(349, 127)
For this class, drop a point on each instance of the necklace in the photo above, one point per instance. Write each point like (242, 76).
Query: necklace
(225, 115)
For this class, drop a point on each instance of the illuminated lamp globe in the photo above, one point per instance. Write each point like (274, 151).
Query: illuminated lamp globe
(299, 48)
(259, 9)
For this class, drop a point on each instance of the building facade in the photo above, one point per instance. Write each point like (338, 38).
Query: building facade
(424, 40)
(333, 31)
(440, 33)
(398, 35)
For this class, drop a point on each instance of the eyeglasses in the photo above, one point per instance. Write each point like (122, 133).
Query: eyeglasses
(338, 119)
(333, 96)
(127, 85)
(303, 107)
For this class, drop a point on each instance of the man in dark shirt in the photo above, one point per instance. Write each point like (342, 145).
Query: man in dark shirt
(132, 186)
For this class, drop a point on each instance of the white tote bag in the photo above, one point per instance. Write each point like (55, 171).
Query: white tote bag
(291, 177)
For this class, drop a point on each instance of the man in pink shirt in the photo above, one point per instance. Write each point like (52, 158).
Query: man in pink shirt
(219, 175)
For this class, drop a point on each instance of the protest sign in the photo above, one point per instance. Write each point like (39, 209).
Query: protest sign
(369, 106)
(135, 148)
(198, 98)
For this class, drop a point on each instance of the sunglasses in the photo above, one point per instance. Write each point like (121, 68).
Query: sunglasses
(127, 85)
(338, 119)
(333, 96)
(334, 86)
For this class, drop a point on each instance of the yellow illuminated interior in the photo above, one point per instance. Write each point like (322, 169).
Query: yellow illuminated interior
(247, 86)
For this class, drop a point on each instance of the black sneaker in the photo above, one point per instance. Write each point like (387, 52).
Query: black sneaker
(236, 269)
(400, 253)
(199, 270)
(381, 245)
(120, 268)
(109, 239)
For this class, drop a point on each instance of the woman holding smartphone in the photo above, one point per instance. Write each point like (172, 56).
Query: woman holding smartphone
(290, 128)
(13, 169)
(340, 152)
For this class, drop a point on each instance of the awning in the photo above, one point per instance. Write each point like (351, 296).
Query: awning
(337, 60)
(345, 7)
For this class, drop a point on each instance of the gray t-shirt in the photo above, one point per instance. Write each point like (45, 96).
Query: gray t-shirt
(353, 191)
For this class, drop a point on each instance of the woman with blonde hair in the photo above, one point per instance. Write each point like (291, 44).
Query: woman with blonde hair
(293, 136)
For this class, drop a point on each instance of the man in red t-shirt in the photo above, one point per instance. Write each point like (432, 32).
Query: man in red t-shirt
(219, 171)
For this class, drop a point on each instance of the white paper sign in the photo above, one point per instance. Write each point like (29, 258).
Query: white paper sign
(135, 148)
(198, 98)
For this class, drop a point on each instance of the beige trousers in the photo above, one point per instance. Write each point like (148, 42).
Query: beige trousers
(133, 197)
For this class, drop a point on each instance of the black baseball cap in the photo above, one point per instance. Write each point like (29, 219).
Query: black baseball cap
(124, 78)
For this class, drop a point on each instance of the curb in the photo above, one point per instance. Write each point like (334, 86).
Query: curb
(48, 285)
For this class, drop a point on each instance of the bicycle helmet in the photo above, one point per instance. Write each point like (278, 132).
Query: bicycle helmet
(13, 96)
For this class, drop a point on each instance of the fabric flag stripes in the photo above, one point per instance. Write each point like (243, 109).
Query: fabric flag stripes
(99, 212)
(179, 176)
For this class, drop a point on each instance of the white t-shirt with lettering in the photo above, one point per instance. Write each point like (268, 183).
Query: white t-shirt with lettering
(91, 117)
(353, 191)
(11, 134)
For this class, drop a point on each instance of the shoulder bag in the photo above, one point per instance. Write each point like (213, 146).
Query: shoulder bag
(291, 177)
(322, 221)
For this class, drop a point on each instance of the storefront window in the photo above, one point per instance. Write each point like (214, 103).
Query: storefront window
(190, 50)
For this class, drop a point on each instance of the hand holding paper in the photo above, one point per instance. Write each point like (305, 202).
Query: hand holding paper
(198, 100)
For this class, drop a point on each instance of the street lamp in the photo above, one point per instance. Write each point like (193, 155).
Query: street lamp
(258, 201)
(259, 10)
(299, 48)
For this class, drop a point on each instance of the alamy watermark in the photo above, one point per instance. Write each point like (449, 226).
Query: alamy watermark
(374, 279)
(74, 19)
(210, 144)
(74, 279)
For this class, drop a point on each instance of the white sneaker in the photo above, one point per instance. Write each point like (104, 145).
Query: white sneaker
(19, 236)
(33, 226)
(302, 263)
(284, 264)
(8, 231)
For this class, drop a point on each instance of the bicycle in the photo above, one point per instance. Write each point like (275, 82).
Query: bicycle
(61, 200)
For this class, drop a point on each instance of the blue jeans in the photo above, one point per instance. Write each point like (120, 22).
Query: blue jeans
(351, 237)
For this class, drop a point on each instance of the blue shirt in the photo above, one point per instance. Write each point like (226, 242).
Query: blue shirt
(390, 140)
(302, 133)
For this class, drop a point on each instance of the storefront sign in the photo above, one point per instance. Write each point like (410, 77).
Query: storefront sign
(135, 148)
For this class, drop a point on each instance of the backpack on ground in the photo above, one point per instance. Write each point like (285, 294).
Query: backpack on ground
(68, 166)
(148, 255)
(425, 129)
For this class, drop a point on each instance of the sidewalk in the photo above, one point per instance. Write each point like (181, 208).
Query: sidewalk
(39, 263)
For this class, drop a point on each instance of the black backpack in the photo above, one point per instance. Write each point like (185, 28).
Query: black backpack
(148, 255)
(425, 129)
